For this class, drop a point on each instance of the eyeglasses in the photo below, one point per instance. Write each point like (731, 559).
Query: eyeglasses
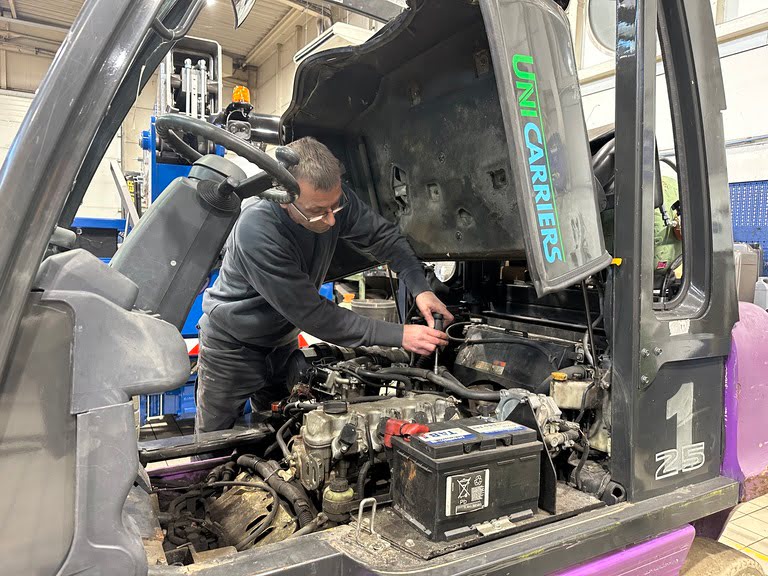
(339, 208)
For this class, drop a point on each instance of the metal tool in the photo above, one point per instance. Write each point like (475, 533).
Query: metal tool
(438, 318)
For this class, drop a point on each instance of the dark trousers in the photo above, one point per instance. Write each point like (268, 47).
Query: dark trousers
(229, 375)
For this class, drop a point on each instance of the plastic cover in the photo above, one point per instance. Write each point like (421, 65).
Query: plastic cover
(535, 67)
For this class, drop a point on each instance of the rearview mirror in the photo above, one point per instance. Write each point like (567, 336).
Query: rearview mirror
(242, 8)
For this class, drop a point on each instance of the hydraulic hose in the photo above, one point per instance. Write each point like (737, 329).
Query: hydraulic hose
(292, 492)
(444, 380)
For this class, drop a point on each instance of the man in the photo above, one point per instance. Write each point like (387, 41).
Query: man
(275, 260)
(667, 235)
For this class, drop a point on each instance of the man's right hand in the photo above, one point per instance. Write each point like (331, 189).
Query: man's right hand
(422, 339)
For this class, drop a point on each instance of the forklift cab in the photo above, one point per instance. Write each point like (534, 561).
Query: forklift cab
(462, 122)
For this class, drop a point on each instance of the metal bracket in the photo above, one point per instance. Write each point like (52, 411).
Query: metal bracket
(374, 542)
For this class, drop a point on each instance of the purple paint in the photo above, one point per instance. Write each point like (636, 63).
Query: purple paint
(662, 556)
(746, 396)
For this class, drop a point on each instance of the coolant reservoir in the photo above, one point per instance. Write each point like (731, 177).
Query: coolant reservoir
(535, 68)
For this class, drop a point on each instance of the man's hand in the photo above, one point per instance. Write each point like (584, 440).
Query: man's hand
(429, 304)
(422, 339)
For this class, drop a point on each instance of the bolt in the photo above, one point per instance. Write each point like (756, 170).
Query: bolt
(644, 353)
(458, 236)
(657, 351)
(173, 262)
(644, 379)
(441, 157)
(410, 543)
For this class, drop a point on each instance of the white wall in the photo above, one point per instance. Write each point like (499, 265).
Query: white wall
(137, 120)
(23, 75)
(101, 199)
(274, 80)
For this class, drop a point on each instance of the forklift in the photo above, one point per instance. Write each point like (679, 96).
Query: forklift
(461, 121)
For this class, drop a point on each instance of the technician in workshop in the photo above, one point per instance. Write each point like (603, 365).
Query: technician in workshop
(275, 260)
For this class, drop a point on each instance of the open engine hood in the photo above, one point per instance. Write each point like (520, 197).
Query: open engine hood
(463, 123)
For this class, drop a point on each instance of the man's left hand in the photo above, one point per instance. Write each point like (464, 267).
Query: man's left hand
(429, 304)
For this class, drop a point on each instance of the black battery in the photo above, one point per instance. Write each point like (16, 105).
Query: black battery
(465, 472)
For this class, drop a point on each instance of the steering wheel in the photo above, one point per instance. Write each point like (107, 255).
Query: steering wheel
(256, 185)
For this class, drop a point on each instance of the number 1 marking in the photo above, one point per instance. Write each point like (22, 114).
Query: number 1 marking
(686, 456)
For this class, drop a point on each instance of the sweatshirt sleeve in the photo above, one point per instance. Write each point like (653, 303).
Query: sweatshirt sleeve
(374, 234)
(272, 268)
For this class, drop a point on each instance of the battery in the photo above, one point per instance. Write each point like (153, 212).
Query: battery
(463, 473)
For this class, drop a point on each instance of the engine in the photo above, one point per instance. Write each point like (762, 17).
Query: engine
(339, 436)
(485, 439)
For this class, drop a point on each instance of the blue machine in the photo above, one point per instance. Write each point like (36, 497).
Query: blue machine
(163, 173)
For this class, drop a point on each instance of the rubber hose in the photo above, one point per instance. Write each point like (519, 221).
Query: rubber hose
(452, 385)
(575, 372)
(179, 146)
(582, 461)
(386, 378)
(543, 387)
(311, 527)
(281, 440)
(170, 122)
(362, 477)
(293, 493)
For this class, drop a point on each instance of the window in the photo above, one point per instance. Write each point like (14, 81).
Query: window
(733, 9)
(601, 18)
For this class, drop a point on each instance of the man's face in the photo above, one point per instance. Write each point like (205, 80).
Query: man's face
(312, 203)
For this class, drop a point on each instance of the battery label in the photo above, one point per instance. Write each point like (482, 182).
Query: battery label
(495, 428)
(449, 435)
(466, 492)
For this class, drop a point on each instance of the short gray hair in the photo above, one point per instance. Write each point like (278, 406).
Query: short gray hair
(317, 164)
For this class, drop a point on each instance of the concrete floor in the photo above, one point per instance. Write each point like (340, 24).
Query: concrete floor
(748, 530)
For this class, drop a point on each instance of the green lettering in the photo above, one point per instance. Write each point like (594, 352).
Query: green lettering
(518, 59)
(525, 99)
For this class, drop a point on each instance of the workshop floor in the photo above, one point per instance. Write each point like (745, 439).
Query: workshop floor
(748, 530)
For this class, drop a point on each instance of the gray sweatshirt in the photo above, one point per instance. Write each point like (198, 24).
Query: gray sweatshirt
(267, 289)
